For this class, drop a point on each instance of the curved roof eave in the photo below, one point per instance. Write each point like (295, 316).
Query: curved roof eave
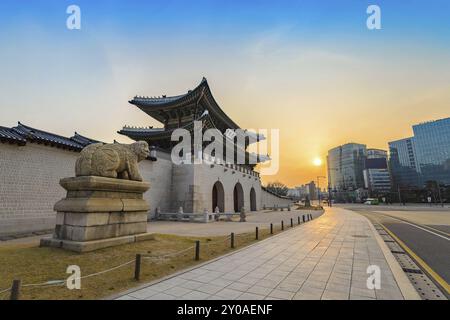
(152, 106)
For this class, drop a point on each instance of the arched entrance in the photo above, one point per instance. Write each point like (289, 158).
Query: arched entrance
(218, 197)
(238, 197)
(253, 199)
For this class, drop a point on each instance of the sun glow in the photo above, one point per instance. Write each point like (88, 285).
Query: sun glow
(317, 162)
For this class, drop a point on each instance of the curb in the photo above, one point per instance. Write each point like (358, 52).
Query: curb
(405, 286)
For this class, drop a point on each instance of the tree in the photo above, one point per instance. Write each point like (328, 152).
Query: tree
(277, 188)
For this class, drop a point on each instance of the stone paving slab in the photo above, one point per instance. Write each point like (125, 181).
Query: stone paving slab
(326, 258)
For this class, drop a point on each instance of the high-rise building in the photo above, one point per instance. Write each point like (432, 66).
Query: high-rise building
(345, 167)
(402, 163)
(432, 141)
(377, 179)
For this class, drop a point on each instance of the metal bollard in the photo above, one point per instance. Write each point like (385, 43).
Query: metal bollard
(304, 219)
(292, 223)
(137, 268)
(257, 233)
(197, 250)
(298, 218)
(232, 240)
(271, 228)
(282, 225)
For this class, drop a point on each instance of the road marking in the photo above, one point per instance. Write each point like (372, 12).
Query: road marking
(422, 263)
(414, 225)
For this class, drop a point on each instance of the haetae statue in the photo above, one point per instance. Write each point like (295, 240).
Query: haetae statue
(112, 160)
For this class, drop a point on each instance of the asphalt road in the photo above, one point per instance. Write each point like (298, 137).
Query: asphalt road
(430, 242)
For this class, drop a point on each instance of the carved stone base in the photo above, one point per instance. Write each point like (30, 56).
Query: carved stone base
(99, 212)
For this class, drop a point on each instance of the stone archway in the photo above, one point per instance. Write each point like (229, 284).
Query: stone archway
(218, 197)
(252, 199)
(238, 197)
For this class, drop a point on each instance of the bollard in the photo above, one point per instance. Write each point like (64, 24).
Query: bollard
(298, 218)
(311, 216)
(15, 290)
(137, 268)
(271, 228)
(292, 223)
(232, 240)
(197, 250)
(304, 219)
(282, 225)
(257, 233)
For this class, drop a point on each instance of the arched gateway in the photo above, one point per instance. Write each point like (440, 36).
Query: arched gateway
(253, 199)
(238, 197)
(218, 197)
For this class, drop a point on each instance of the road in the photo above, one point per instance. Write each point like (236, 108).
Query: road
(423, 231)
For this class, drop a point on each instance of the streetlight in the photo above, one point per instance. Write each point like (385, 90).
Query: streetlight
(318, 186)
(330, 203)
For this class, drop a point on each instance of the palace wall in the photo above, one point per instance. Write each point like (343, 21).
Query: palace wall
(29, 185)
(269, 200)
(30, 174)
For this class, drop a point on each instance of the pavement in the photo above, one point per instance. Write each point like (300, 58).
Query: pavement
(424, 235)
(326, 258)
(261, 219)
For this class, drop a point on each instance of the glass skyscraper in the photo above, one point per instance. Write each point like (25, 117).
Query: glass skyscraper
(402, 163)
(345, 167)
(432, 141)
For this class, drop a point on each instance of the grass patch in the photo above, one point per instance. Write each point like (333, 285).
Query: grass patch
(39, 265)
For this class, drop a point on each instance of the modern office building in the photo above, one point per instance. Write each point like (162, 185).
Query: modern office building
(377, 179)
(345, 167)
(432, 141)
(424, 157)
(402, 163)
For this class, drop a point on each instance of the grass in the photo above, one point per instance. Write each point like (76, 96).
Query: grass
(39, 265)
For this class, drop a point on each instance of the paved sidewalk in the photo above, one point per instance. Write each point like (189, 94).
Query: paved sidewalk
(323, 259)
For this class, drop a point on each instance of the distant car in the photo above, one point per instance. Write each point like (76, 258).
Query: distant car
(372, 202)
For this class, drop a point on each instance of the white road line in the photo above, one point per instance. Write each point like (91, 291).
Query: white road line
(414, 225)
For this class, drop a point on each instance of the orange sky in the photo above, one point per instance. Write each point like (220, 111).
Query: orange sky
(319, 92)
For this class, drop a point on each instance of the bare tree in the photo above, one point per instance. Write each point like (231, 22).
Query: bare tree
(278, 188)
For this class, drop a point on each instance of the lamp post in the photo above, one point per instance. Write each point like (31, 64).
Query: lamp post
(330, 204)
(318, 187)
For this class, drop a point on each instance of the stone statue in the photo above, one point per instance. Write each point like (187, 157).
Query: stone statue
(112, 160)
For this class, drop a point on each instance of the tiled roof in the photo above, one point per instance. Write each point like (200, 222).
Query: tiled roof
(82, 140)
(21, 134)
(11, 136)
(39, 136)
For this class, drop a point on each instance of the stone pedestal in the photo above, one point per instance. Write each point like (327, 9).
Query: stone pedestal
(99, 212)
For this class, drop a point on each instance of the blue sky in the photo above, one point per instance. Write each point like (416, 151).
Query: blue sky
(271, 64)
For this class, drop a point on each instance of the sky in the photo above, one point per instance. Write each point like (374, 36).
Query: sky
(309, 68)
